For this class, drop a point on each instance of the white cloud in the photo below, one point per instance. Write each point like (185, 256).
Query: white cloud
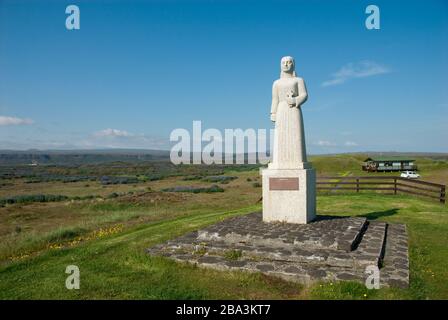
(13, 121)
(115, 138)
(112, 133)
(350, 144)
(352, 70)
(88, 143)
(325, 143)
(331, 144)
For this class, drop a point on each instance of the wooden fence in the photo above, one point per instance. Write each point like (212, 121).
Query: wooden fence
(383, 184)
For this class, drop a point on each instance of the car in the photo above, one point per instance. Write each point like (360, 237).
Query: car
(410, 175)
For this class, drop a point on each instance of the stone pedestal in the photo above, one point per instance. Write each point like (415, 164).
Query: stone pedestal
(332, 248)
(289, 195)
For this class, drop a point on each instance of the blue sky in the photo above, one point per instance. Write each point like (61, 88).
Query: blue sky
(136, 70)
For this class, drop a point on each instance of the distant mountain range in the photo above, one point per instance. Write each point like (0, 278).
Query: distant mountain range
(78, 157)
(432, 155)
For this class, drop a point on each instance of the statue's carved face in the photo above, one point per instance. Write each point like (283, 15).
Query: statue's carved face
(287, 64)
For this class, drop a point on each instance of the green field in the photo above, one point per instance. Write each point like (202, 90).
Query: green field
(106, 230)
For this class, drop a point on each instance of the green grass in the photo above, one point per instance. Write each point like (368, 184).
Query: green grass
(233, 254)
(343, 164)
(117, 267)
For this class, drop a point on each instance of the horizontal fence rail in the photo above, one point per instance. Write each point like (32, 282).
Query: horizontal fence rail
(393, 184)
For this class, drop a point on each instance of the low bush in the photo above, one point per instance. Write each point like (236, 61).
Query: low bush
(220, 179)
(189, 178)
(105, 180)
(213, 188)
(59, 178)
(6, 184)
(33, 198)
(65, 234)
(112, 195)
(155, 177)
(88, 197)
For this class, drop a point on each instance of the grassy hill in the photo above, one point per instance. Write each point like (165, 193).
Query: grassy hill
(114, 265)
(431, 167)
(105, 225)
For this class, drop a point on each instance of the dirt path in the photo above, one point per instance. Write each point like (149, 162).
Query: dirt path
(343, 178)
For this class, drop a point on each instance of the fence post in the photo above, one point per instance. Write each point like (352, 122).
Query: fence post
(442, 194)
(395, 186)
(357, 184)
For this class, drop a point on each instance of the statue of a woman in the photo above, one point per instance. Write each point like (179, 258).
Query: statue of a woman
(288, 94)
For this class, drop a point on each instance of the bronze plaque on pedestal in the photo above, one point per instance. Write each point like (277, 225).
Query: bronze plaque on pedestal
(283, 183)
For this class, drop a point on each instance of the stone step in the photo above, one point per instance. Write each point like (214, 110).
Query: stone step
(395, 271)
(343, 249)
(369, 250)
(342, 233)
(290, 271)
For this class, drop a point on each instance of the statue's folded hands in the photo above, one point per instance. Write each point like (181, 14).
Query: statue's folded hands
(292, 101)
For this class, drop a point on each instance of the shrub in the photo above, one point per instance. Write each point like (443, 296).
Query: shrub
(155, 177)
(33, 198)
(60, 178)
(89, 197)
(256, 184)
(112, 195)
(106, 180)
(220, 179)
(189, 178)
(213, 188)
(6, 184)
(65, 234)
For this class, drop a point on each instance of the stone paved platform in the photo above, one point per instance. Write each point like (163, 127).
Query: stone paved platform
(330, 248)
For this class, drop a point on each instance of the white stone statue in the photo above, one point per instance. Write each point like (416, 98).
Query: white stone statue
(289, 181)
(288, 94)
